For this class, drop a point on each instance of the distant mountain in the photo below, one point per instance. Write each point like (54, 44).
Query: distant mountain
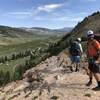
(29, 32)
(46, 31)
(7, 31)
(65, 29)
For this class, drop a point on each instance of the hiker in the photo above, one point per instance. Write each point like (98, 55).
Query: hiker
(75, 51)
(93, 55)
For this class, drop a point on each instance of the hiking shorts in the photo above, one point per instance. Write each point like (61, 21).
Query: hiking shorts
(75, 59)
(94, 68)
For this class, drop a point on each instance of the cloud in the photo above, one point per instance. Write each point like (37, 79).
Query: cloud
(63, 18)
(52, 14)
(49, 7)
(20, 14)
(90, 0)
(70, 19)
(22, 0)
(40, 18)
(33, 11)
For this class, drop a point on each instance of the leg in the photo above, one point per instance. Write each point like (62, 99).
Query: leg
(71, 67)
(77, 60)
(90, 74)
(97, 77)
(96, 72)
(77, 67)
(72, 63)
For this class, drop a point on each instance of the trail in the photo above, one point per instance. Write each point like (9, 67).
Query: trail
(51, 80)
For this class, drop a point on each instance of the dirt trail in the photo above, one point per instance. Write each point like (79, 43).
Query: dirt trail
(52, 80)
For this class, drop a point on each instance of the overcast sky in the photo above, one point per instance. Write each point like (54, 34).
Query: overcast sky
(46, 13)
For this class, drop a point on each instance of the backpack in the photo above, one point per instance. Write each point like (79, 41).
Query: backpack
(74, 48)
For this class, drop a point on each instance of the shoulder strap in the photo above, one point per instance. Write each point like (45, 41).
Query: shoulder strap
(78, 44)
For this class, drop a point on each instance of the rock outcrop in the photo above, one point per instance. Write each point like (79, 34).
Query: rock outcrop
(51, 80)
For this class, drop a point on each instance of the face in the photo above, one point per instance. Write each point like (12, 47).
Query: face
(90, 37)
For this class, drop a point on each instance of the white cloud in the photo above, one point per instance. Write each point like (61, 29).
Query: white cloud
(68, 16)
(70, 19)
(39, 18)
(63, 18)
(22, 0)
(49, 7)
(91, 0)
(33, 11)
(20, 14)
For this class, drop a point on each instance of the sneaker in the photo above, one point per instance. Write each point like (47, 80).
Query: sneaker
(97, 88)
(77, 70)
(71, 69)
(89, 83)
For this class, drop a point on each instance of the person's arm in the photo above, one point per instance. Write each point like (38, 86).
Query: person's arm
(98, 56)
(97, 44)
(81, 50)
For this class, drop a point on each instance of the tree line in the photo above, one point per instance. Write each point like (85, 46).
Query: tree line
(35, 56)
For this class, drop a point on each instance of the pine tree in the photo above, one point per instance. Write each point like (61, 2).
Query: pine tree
(6, 58)
(1, 77)
(7, 77)
(19, 70)
(13, 57)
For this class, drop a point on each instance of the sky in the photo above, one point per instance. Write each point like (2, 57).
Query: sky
(52, 14)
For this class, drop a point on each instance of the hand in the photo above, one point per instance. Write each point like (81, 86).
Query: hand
(97, 61)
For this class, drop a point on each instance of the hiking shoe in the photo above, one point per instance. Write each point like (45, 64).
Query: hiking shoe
(71, 69)
(97, 88)
(89, 83)
(77, 70)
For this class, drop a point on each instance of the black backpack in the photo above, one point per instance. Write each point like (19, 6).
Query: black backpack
(74, 49)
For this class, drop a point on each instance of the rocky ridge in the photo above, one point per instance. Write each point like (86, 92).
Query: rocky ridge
(51, 80)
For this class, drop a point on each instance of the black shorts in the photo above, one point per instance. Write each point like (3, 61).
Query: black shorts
(95, 68)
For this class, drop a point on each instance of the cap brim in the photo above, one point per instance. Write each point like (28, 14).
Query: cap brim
(90, 35)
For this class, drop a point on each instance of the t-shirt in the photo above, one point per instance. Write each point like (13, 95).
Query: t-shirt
(92, 47)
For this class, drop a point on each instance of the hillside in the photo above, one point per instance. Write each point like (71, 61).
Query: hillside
(6, 31)
(16, 42)
(46, 31)
(91, 22)
(51, 80)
